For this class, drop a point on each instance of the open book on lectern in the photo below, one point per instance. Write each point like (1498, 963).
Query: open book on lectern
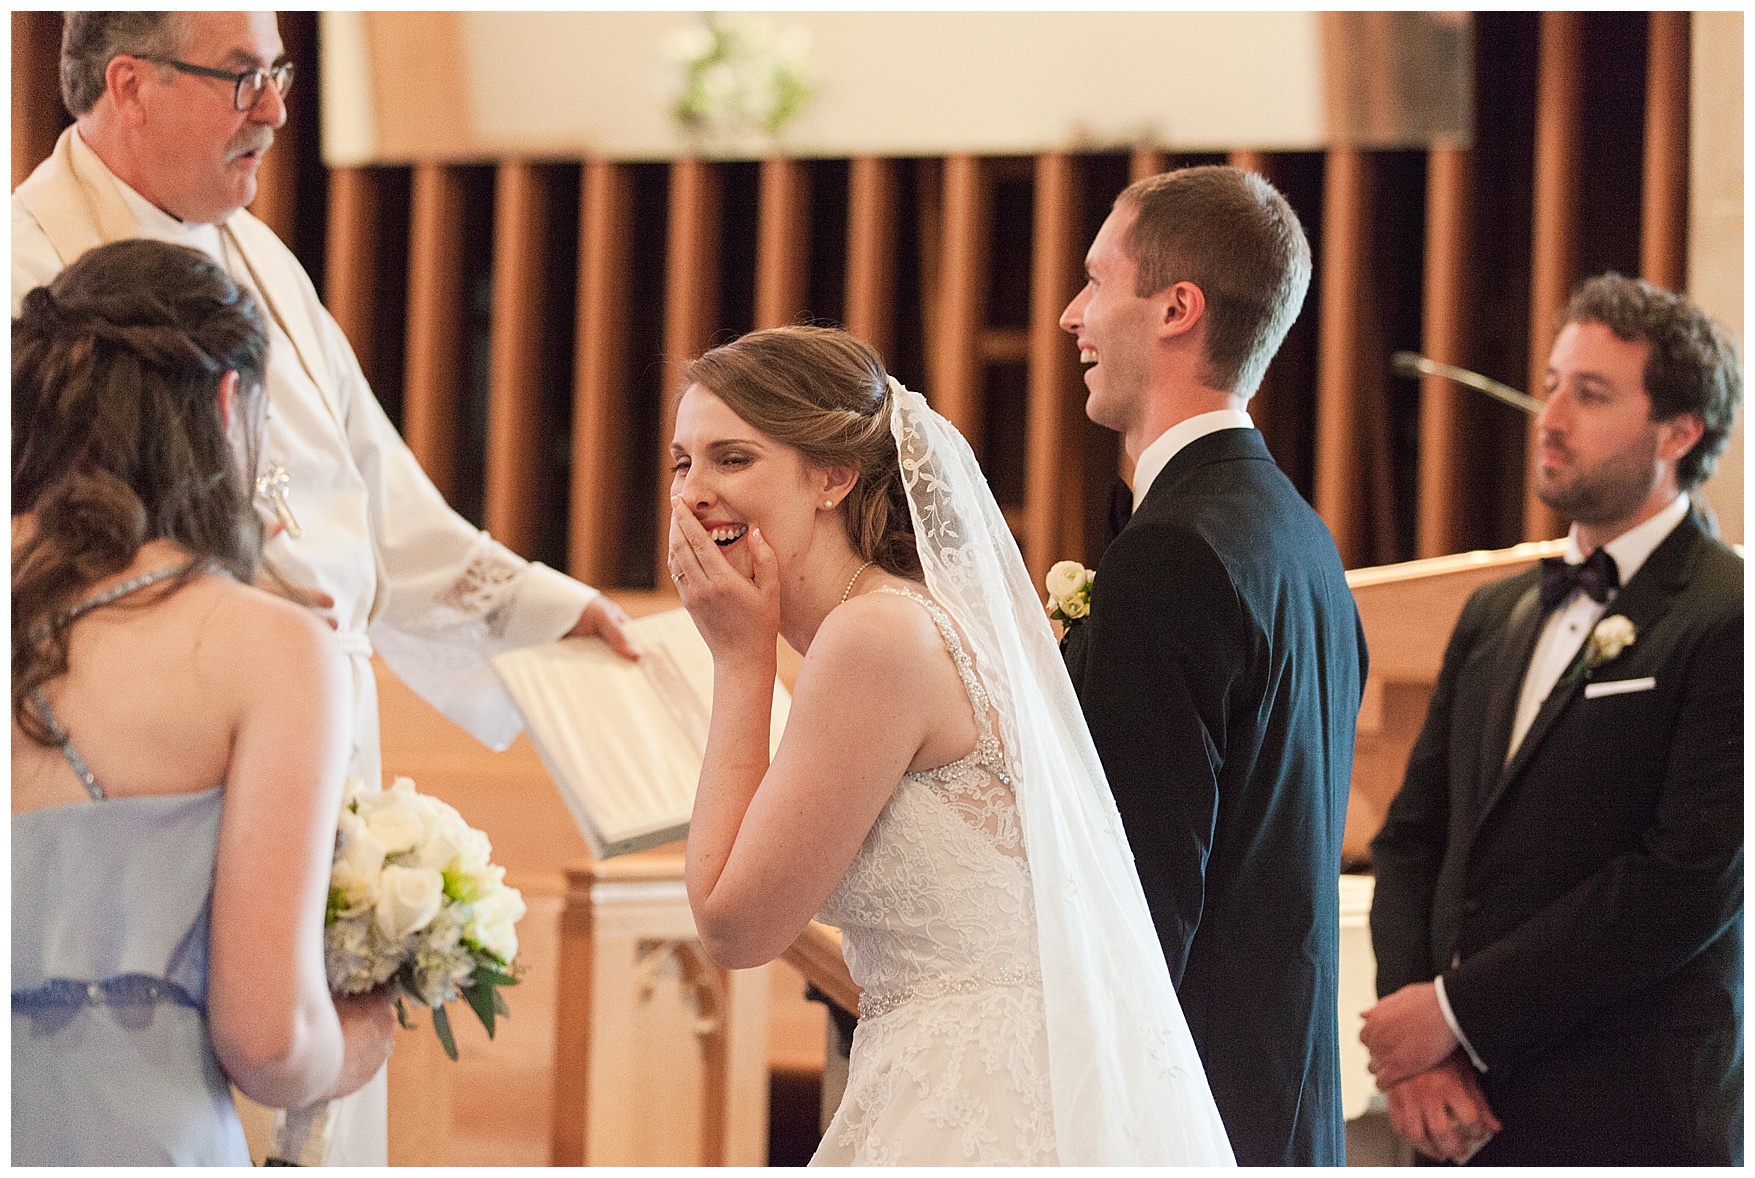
(623, 740)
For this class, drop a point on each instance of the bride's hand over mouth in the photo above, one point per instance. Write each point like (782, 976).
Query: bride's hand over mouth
(736, 613)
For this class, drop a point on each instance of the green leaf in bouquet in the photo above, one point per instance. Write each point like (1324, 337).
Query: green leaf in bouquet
(500, 1007)
(442, 1026)
(497, 977)
(402, 1015)
(480, 995)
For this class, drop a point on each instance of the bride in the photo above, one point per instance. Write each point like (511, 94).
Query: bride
(935, 794)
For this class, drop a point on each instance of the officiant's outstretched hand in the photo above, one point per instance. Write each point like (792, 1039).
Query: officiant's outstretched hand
(605, 619)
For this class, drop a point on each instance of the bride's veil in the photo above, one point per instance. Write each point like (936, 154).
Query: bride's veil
(1127, 1083)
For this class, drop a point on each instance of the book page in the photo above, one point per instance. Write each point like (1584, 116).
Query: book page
(623, 740)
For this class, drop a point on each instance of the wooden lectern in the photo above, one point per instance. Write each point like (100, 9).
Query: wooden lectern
(1409, 611)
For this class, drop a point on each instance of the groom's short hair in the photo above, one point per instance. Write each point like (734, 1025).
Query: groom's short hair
(1231, 233)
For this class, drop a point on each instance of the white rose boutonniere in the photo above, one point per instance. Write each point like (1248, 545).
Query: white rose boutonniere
(1069, 591)
(1607, 640)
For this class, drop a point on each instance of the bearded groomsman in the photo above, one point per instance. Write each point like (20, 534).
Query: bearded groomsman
(1222, 663)
(174, 111)
(1559, 909)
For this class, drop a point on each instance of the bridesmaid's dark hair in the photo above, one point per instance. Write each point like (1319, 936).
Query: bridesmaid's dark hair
(118, 438)
(825, 394)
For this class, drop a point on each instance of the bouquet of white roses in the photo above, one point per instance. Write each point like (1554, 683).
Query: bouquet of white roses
(415, 904)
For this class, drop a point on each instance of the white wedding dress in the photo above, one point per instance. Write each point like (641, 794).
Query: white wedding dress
(950, 1059)
(1017, 1009)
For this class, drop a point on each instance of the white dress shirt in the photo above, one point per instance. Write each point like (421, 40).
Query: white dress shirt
(1562, 636)
(1155, 457)
(1564, 632)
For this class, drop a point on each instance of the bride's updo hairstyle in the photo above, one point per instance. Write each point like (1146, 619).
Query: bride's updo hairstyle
(825, 394)
(117, 435)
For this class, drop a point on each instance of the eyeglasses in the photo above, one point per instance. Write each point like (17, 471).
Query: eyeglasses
(247, 86)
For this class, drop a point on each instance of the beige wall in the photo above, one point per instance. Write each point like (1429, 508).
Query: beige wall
(892, 83)
(1715, 216)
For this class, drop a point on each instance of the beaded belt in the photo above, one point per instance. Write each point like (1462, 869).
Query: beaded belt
(134, 989)
(871, 1006)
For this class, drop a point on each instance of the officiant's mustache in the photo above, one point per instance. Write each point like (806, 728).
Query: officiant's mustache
(254, 139)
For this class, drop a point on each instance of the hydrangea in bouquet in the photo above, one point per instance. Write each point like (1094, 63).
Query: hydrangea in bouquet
(415, 904)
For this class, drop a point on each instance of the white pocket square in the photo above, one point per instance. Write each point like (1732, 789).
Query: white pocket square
(1619, 686)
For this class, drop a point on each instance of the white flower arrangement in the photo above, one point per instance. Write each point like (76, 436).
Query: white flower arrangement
(1607, 640)
(415, 904)
(1069, 591)
(738, 77)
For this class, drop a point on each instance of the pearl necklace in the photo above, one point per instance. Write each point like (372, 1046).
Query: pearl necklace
(848, 592)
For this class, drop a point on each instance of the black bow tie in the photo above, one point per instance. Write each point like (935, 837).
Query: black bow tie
(1596, 576)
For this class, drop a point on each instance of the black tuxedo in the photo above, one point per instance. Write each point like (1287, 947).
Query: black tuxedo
(1585, 902)
(1220, 671)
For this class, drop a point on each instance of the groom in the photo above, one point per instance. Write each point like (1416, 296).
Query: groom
(1222, 663)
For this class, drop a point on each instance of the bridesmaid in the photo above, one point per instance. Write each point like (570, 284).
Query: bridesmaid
(177, 736)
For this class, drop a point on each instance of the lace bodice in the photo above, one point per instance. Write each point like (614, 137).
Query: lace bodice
(939, 929)
(939, 893)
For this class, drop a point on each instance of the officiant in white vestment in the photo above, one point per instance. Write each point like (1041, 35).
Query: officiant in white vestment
(174, 112)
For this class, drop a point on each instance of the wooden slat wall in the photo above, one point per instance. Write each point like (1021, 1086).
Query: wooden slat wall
(600, 404)
(510, 500)
(782, 242)
(1145, 161)
(1663, 243)
(1053, 519)
(352, 237)
(1442, 464)
(37, 113)
(1554, 253)
(871, 251)
(1340, 486)
(433, 370)
(955, 374)
(1381, 484)
(690, 307)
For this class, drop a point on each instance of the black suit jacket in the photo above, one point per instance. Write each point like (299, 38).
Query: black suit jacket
(1220, 671)
(1584, 902)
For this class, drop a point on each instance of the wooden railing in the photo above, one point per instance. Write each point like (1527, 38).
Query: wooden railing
(1408, 611)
